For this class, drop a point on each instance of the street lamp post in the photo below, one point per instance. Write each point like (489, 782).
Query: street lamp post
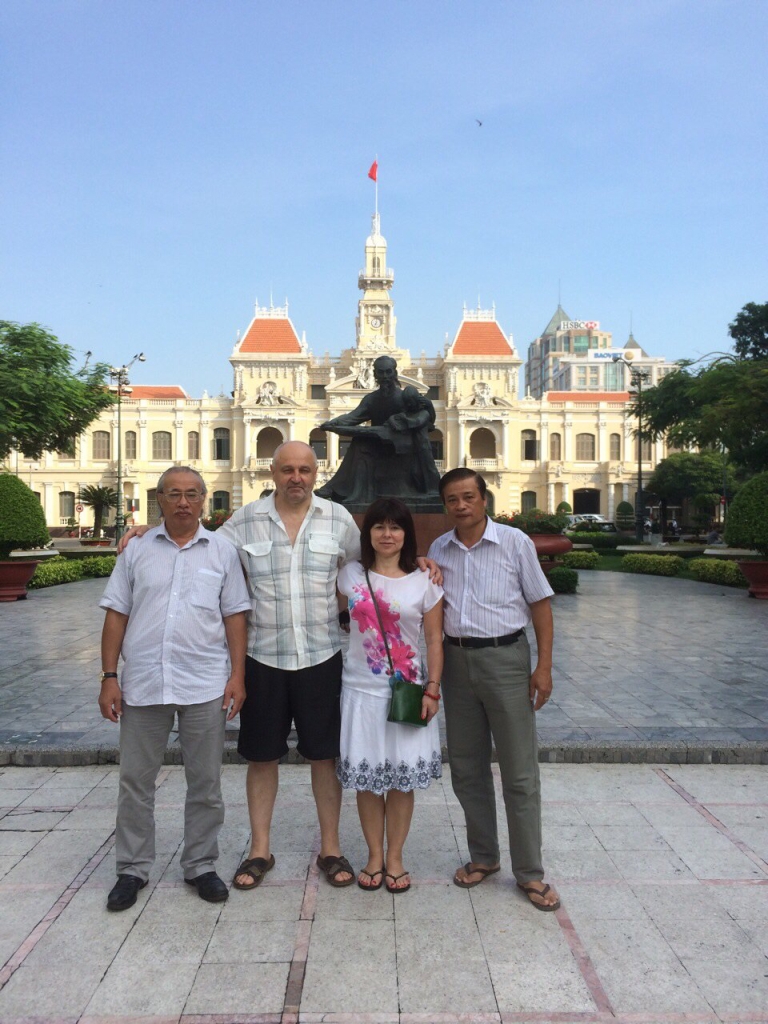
(119, 378)
(636, 378)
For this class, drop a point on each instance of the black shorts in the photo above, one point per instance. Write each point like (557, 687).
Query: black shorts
(275, 697)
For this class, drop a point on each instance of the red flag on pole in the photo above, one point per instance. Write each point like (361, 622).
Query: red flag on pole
(372, 174)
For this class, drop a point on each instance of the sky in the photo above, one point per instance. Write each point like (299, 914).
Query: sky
(167, 164)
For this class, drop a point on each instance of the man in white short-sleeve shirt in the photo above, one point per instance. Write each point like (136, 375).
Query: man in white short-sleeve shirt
(494, 587)
(176, 610)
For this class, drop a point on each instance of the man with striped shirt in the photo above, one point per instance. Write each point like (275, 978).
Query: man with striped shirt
(494, 587)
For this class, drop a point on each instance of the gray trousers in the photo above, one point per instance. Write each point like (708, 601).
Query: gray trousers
(486, 699)
(144, 733)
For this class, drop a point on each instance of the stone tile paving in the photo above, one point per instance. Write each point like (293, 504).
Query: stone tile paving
(662, 873)
(646, 669)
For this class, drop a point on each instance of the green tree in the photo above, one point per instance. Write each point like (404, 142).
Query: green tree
(99, 499)
(750, 331)
(44, 402)
(684, 475)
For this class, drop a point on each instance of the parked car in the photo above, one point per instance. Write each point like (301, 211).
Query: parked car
(592, 517)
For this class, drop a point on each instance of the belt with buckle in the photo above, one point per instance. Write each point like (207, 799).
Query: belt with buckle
(485, 641)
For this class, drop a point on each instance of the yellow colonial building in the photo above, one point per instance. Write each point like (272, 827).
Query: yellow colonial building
(575, 446)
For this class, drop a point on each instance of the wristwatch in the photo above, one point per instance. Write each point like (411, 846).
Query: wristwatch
(108, 675)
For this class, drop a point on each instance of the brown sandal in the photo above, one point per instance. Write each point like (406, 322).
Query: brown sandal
(255, 868)
(475, 871)
(333, 866)
(529, 890)
(374, 887)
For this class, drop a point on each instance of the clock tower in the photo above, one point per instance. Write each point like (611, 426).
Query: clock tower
(375, 323)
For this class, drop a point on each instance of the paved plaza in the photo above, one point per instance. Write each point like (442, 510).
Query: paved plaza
(662, 865)
(646, 669)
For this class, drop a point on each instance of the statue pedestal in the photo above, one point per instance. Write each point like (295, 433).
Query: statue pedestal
(429, 526)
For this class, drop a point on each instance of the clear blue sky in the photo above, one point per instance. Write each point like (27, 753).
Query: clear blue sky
(166, 163)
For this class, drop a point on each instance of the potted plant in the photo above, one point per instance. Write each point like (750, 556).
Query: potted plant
(747, 527)
(545, 530)
(22, 527)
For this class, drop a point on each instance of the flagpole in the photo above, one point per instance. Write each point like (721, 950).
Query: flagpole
(376, 183)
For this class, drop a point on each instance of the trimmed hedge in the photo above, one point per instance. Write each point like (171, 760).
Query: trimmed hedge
(98, 565)
(54, 571)
(722, 571)
(653, 565)
(563, 580)
(581, 559)
(606, 541)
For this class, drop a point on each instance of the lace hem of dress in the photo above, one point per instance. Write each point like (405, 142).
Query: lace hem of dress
(381, 778)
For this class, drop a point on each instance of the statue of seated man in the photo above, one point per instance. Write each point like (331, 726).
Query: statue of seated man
(393, 455)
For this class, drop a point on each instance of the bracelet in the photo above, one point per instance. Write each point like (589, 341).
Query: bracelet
(432, 696)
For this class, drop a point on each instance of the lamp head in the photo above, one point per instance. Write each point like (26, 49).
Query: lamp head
(141, 357)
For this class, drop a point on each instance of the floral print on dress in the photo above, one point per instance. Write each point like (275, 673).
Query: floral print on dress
(363, 612)
(381, 778)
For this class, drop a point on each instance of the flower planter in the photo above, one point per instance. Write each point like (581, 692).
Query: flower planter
(548, 546)
(96, 542)
(14, 577)
(757, 576)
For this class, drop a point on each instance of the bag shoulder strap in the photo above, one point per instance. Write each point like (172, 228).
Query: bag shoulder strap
(381, 624)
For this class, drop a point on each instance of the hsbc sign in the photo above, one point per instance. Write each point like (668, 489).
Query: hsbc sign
(579, 325)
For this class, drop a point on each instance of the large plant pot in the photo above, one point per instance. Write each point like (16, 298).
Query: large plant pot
(14, 577)
(96, 542)
(757, 575)
(549, 546)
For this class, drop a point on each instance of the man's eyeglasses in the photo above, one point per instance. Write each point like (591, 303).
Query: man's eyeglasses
(176, 496)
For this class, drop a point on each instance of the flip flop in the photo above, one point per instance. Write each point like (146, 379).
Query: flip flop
(395, 889)
(256, 868)
(333, 866)
(529, 889)
(371, 875)
(475, 871)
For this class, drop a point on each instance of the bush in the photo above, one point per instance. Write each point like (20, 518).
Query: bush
(22, 520)
(719, 570)
(98, 565)
(563, 580)
(603, 541)
(625, 516)
(216, 519)
(54, 571)
(747, 522)
(653, 565)
(581, 559)
(564, 507)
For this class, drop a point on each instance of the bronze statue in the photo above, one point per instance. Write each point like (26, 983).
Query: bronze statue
(392, 456)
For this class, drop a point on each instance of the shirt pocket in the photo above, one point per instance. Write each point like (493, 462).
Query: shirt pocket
(259, 557)
(322, 554)
(206, 589)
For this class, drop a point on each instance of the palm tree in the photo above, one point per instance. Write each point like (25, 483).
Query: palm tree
(99, 499)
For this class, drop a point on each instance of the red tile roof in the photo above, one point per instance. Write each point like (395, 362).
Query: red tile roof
(140, 391)
(481, 338)
(270, 334)
(588, 396)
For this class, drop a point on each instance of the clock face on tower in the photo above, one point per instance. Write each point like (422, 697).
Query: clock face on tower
(376, 322)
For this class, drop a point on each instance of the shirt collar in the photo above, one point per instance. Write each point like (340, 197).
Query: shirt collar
(201, 534)
(315, 508)
(490, 533)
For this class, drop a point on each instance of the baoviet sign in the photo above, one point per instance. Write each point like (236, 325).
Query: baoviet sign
(579, 325)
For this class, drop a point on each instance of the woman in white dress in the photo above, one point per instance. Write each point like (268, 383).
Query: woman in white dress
(386, 761)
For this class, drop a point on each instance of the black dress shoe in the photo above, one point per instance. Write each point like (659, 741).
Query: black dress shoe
(123, 894)
(209, 887)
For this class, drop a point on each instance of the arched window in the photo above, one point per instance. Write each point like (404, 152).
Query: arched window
(555, 447)
(161, 445)
(376, 265)
(266, 492)
(220, 501)
(193, 446)
(66, 505)
(482, 444)
(318, 442)
(615, 447)
(268, 440)
(647, 452)
(585, 447)
(490, 502)
(101, 444)
(530, 446)
(130, 444)
(221, 444)
(153, 509)
(528, 500)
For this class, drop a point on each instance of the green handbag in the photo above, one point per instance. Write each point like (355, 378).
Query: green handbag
(405, 706)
